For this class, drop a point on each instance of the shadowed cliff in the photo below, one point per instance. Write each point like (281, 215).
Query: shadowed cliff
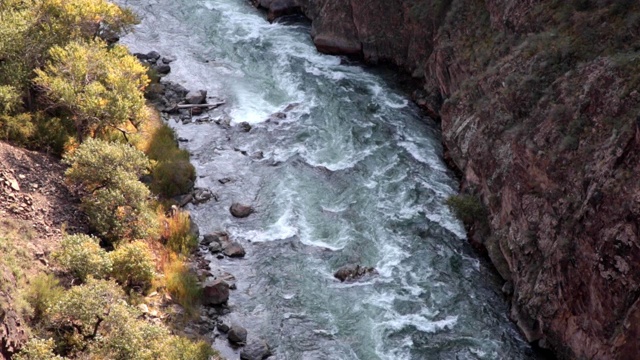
(539, 107)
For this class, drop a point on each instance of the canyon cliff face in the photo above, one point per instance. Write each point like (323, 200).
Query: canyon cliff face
(539, 103)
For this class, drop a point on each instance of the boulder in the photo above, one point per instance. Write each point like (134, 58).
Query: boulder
(168, 59)
(240, 210)
(255, 350)
(153, 56)
(222, 327)
(245, 126)
(353, 272)
(196, 97)
(234, 249)
(215, 247)
(237, 334)
(201, 195)
(215, 292)
(162, 69)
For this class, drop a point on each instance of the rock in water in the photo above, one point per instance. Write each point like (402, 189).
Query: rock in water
(196, 97)
(233, 249)
(255, 350)
(245, 126)
(237, 334)
(353, 272)
(215, 292)
(240, 210)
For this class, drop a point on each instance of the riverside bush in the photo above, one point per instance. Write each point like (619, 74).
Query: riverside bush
(183, 285)
(82, 255)
(178, 233)
(172, 173)
(133, 265)
(467, 208)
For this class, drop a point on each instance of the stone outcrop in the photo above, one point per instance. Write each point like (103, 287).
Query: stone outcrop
(539, 104)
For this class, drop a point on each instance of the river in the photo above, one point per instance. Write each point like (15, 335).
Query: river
(353, 174)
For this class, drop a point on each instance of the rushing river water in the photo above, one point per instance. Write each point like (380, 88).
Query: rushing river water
(353, 174)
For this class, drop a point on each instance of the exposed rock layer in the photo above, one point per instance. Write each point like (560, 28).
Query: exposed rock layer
(538, 101)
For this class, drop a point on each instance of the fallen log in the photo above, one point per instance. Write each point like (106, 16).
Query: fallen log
(191, 106)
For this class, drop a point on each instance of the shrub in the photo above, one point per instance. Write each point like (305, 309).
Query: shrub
(38, 349)
(172, 174)
(82, 308)
(100, 87)
(133, 265)
(179, 348)
(178, 233)
(183, 285)
(44, 290)
(96, 164)
(467, 208)
(122, 211)
(83, 257)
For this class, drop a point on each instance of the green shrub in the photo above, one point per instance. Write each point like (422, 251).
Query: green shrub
(467, 208)
(97, 164)
(133, 265)
(183, 285)
(38, 349)
(122, 211)
(44, 290)
(179, 348)
(172, 174)
(83, 257)
(172, 178)
(179, 237)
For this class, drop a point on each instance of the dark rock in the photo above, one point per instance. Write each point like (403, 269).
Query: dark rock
(240, 210)
(168, 59)
(237, 334)
(234, 249)
(141, 57)
(224, 180)
(196, 97)
(181, 139)
(255, 350)
(245, 126)
(233, 286)
(215, 292)
(353, 272)
(153, 56)
(258, 155)
(196, 111)
(154, 91)
(291, 107)
(219, 256)
(183, 200)
(162, 69)
(222, 327)
(215, 247)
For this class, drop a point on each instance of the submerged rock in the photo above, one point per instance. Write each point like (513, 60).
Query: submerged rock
(255, 350)
(215, 292)
(240, 210)
(353, 272)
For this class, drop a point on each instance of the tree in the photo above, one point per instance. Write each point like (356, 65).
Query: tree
(101, 87)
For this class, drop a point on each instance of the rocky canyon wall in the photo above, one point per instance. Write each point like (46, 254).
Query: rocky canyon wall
(540, 109)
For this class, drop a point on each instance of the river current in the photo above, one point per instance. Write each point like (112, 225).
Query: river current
(352, 174)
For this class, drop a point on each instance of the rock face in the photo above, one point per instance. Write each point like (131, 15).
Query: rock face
(539, 107)
(215, 292)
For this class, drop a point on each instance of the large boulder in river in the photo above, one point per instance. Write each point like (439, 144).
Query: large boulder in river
(240, 210)
(196, 97)
(255, 350)
(215, 292)
(237, 334)
(233, 249)
(353, 272)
